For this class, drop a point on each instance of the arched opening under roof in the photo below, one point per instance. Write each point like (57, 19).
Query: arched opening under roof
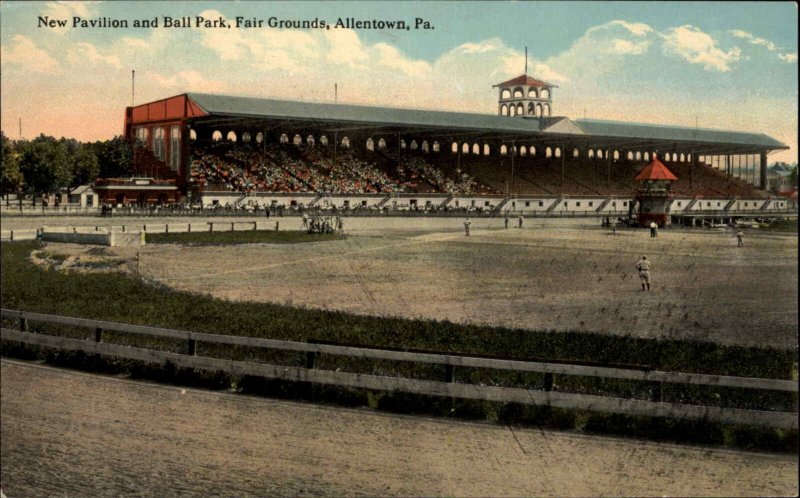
(323, 140)
(558, 152)
(216, 136)
(381, 144)
(465, 148)
(310, 140)
(548, 152)
(512, 110)
(531, 109)
(436, 146)
(504, 110)
(505, 93)
(297, 139)
(503, 150)
(522, 151)
(454, 148)
(414, 145)
(246, 137)
(520, 110)
(544, 94)
(476, 149)
(192, 135)
(284, 138)
(403, 144)
(259, 137)
(590, 155)
(231, 136)
(546, 110)
(345, 143)
(370, 144)
(425, 146)
(518, 93)
(533, 93)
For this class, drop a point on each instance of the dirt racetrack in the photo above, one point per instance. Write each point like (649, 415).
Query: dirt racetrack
(553, 274)
(65, 433)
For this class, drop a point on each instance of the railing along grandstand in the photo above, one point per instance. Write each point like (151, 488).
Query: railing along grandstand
(548, 394)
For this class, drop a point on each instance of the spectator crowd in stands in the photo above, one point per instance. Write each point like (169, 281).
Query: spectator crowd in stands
(289, 168)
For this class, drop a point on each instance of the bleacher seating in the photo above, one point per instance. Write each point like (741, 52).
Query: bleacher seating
(308, 168)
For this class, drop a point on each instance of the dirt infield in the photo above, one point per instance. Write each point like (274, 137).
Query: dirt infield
(550, 275)
(70, 434)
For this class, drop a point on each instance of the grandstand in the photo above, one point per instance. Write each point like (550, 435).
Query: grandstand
(195, 147)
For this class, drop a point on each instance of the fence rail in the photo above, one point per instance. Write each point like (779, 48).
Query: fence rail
(449, 388)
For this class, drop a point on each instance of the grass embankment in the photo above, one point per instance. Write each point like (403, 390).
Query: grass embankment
(787, 226)
(239, 237)
(118, 298)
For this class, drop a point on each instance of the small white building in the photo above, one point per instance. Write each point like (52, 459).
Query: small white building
(84, 196)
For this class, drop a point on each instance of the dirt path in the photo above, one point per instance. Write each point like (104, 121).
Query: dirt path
(66, 433)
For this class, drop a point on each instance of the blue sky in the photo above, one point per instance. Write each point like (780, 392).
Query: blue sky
(729, 65)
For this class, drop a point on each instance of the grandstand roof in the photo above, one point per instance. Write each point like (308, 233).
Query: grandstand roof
(212, 110)
(677, 133)
(524, 79)
(655, 171)
(380, 116)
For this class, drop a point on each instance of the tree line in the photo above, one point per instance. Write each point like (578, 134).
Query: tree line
(49, 165)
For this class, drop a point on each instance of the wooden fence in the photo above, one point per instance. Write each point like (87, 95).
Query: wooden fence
(447, 388)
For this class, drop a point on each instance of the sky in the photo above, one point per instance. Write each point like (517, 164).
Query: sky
(723, 65)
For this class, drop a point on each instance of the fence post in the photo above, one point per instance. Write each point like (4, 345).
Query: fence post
(210, 226)
(98, 335)
(449, 373)
(311, 359)
(166, 228)
(548, 382)
(254, 226)
(190, 228)
(123, 228)
(277, 225)
(144, 228)
(12, 235)
(231, 226)
(192, 346)
(23, 324)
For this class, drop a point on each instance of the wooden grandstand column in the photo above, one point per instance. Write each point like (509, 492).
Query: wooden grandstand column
(563, 163)
(691, 169)
(608, 160)
(763, 171)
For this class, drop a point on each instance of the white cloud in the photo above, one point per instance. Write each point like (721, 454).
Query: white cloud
(634, 28)
(738, 33)
(187, 81)
(67, 10)
(788, 57)
(30, 57)
(627, 47)
(86, 52)
(697, 47)
(390, 57)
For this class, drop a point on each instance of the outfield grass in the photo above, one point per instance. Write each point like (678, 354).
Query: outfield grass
(239, 237)
(114, 297)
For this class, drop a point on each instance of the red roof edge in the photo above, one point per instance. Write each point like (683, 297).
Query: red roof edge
(656, 171)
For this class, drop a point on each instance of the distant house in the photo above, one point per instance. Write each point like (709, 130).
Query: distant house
(84, 196)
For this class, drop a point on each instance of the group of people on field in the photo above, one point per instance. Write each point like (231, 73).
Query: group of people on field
(322, 224)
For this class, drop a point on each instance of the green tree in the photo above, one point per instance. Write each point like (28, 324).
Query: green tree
(46, 165)
(10, 176)
(114, 158)
(87, 166)
(793, 176)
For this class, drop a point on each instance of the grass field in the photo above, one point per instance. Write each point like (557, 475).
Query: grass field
(562, 278)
